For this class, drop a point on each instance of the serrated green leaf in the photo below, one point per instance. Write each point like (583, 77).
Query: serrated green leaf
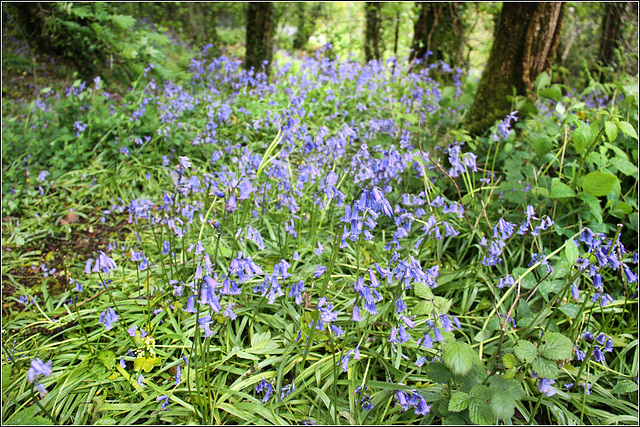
(556, 346)
(582, 137)
(526, 351)
(509, 360)
(457, 356)
(627, 129)
(625, 166)
(511, 372)
(542, 145)
(27, 417)
(545, 368)
(611, 130)
(560, 189)
(123, 21)
(480, 393)
(598, 183)
(422, 308)
(437, 372)
(459, 402)
(421, 290)
(503, 406)
(480, 413)
(624, 386)
(513, 388)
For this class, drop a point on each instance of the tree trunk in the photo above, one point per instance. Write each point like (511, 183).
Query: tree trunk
(524, 45)
(441, 31)
(259, 44)
(372, 31)
(611, 31)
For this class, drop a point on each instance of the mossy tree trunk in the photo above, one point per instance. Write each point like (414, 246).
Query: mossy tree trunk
(440, 29)
(524, 45)
(259, 44)
(372, 31)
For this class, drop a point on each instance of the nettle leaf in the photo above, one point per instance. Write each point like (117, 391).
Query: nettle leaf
(423, 291)
(560, 189)
(503, 406)
(437, 372)
(611, 130)
(545, 368)
(627, 129)
(556, 346)
(582, 137)
(459, 401)
(458, 357)
(598, 183)
(526, 351)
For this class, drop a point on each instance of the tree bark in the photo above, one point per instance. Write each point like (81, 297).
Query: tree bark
(440, 30)
(259, 44)
(372, 31)
(525, 42)
(611, 32)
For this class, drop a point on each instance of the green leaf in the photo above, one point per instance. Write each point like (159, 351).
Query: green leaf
(27, 417)
(570, 309)
(422, 308)
(503, 406)
(594, 205)
(571, 252)
(611, 130)
(624, 386)
(459, 402)
(545, 368)
(621, 209)
(542, 81)
(511, 372)
(146, 363)
(512, 387)
(6, 376)
(598, 183)
(559, 189)
(582, 137)
(509, 360)
(554, 92)
(107, 358)
(627, 129)
(542, 145)
(625, 166)
(123, 21)
(480, 413)
(458, 357)
(437, 372)
(526, 351)
(556, 346)
(423, 291)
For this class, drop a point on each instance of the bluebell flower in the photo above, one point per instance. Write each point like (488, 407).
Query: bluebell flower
(108, 318)
(320, 270)
(420, 361)
(38, 367)
(178, 374)
(356, 314)
(123, 364)
(575, 292)
(164, 399)
(266, 387)
(141, 380)
(545, 387)
(104, 263)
